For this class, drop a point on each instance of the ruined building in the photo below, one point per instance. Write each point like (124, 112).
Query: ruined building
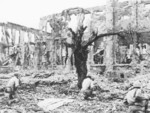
(110, 52)
(20, 44)
(116, 16)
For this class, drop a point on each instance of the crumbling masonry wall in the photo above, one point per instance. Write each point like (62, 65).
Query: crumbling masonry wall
(131, 13)
(14, 37)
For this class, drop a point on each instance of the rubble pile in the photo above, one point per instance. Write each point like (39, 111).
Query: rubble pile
(54, 84)
(64, 86)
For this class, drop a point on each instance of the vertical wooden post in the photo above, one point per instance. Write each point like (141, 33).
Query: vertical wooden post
(61, 50)
(13, 33)
(35, 54)
(21, 43)
(54, 54)
(7, 41)
(19, 37)
(29, 37)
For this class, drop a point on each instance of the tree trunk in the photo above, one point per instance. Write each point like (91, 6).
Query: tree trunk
(81, 56)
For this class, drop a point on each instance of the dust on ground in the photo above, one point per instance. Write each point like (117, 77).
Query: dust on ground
(55, 84)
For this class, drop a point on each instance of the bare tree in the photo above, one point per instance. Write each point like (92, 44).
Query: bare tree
(80, 50)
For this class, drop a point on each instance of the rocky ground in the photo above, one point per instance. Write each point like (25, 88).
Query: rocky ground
(40, 85)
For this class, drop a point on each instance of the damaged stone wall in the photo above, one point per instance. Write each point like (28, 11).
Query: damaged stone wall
(130, 14)
(20, 41)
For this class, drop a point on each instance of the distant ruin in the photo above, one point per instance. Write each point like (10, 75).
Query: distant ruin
(132, 17)
(14, 36)
(116, 16)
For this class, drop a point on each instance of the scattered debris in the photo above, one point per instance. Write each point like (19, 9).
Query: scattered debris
(53, 103)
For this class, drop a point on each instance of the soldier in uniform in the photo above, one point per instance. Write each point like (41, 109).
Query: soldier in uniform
(135, 99)
(12, 86)
(88, 86)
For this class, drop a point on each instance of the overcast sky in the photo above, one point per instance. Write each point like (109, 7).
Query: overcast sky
(28, 12)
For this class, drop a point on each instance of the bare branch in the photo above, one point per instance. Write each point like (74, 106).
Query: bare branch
(95, 37)
(73, 33)
(82, 29)
(81, 32)
(68, 44)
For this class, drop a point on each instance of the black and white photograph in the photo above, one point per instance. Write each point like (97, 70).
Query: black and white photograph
(74, 56)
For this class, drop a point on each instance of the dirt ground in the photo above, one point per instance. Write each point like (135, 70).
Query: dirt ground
(61, 85)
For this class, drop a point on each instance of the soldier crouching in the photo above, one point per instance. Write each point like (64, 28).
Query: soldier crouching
(88, 86)
(136, 100)
(12, 86)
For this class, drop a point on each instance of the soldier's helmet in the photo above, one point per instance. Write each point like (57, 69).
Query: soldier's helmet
(137, 84)
(89, 75)
(16, 74)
